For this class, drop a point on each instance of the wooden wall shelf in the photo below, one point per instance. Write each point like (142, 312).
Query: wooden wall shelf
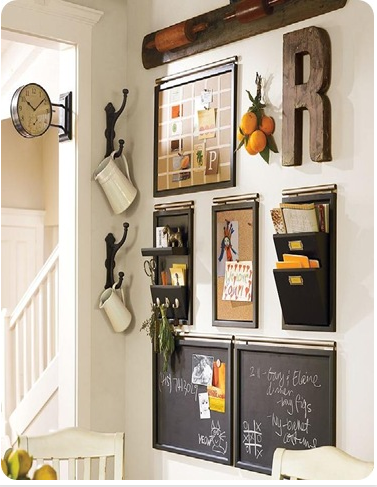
(211, 30)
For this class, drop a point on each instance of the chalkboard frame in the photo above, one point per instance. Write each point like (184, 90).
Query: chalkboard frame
(206, 345)
(292, 347)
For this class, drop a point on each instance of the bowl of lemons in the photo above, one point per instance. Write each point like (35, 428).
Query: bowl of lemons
(17, 465)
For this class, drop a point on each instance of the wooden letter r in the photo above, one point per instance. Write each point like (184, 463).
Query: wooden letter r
(298, 96)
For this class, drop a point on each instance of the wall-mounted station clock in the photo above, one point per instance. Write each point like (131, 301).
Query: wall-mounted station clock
(31, 112)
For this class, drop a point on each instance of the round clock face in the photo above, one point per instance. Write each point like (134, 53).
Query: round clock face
(31, 110)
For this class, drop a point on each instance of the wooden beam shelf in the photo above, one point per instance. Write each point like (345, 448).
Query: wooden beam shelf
(224, 25)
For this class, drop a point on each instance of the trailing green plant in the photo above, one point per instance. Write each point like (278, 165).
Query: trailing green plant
(161, 332)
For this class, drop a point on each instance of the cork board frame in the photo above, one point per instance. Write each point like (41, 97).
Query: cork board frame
(235, 263)
(195, 130)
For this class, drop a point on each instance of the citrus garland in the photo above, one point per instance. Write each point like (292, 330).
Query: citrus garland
(256, 129)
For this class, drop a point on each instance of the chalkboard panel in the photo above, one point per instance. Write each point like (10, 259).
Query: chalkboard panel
(285, 395)
(182, 422)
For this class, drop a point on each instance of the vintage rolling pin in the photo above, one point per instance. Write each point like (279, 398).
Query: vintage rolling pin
(247, 10)
(177, 35)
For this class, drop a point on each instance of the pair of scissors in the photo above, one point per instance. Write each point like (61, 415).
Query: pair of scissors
(149, 269)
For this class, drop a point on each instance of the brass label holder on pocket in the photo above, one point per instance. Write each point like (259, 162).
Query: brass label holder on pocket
(296, 280)
(295, 245)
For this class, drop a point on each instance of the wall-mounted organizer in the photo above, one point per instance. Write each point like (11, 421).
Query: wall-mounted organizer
(171, 263)
(235, 264)
(308, 295)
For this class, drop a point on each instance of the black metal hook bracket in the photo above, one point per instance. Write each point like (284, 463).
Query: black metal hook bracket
(111, 118)
(111, 249)
(65, 116)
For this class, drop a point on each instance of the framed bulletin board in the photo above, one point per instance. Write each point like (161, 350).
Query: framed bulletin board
(192, 401)
(195, 129)
(285, 393)
(235, 261)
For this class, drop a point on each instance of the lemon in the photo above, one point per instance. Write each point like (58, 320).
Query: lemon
(45, 472)
(4, 466)
(19, 463)
(26, 462)
(13, 465)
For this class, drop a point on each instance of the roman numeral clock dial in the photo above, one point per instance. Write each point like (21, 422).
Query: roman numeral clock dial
(31, 110)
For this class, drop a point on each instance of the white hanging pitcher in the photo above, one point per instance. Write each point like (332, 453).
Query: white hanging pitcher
(117, 186)
(115, 308)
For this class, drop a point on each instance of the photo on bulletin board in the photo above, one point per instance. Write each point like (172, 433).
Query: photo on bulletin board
(235, 261)
(195, 130)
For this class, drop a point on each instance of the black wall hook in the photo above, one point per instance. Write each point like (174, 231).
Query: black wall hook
(111, 118)
(111, 249)
(120, 150)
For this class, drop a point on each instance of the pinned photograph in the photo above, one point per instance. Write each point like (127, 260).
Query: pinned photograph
(212, 163)
(176, 111)
(205, 412)
(227, 238)
(202, 369)
(176, 94)
(216, 392)
(206, 98)
(207, 123)
(175, 145)
(199, 154)
(238, 281)
(176, 128)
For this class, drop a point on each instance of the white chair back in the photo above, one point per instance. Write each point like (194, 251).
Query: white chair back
(78, 454)
(321, 463)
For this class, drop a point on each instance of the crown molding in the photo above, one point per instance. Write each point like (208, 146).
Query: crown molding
(60, 9)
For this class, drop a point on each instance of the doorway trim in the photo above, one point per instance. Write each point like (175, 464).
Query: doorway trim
(72, 24)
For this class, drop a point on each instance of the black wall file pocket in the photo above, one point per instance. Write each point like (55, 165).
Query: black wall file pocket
(307, 294)
(303, 295)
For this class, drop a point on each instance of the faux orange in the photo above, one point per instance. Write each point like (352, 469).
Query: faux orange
(248, 123)
(249, 149)
(257, 141)
(267, 125)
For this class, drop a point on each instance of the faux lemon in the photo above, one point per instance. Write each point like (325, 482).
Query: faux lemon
(45, 472)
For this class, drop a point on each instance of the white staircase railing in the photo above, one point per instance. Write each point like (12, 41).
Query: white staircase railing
(31, 339)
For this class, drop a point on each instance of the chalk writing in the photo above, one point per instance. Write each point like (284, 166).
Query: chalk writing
(285, 399)
(293, 425)
(164, 382)
(252, 438)
(292, 431)
(185, 387)
(177, 385)
(216, 439)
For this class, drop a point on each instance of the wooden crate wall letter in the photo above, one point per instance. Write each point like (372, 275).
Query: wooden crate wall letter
(298, 96)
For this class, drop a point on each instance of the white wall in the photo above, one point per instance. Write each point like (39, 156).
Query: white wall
(121, 389)
(351, 94)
